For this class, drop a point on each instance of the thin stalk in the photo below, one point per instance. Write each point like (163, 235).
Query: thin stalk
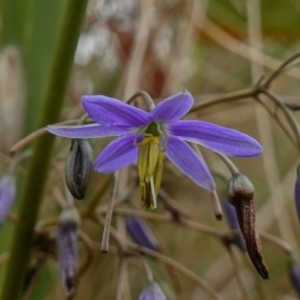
(266, 83)
(233, 96)
(32, 136)
(229, 164)
(236, 269)
(278, 120)
(289, 116)
(121, 278)
(110, 208)
(145, 97)
(32, 192)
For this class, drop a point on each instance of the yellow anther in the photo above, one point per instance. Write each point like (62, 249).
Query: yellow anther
(150, 139)
(161, 156)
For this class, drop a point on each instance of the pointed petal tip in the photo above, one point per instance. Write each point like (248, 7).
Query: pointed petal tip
(174, 107)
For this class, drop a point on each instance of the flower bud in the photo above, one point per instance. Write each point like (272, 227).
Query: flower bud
(78, 167)
(141, 233)
(7, 196)
(297, 192)
(152, 291)
(233, 224)
(294, 274)
(240, 193)
(67, 245)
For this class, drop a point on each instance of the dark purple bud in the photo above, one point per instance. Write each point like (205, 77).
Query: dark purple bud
(141, 233)
(297, 192)
(241, 193)
(233, 224)
(295, 276)
(67, 245)
(7, 196)
(152, 291)
(78, 167)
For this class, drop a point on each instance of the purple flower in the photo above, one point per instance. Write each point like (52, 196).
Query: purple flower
(147, 137)
(141, 233)
(7, 196)
(152, 291)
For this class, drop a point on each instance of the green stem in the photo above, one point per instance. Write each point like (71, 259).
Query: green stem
(32, 191)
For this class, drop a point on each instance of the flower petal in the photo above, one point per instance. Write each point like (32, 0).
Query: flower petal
(181, 155)
(118, 154)
(88, 131)
(109, 111)
(173, 108)
(217, 138)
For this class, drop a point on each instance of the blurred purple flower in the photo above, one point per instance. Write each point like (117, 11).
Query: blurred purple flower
(67, 245)
(7, 196)
(152, 291)
(233, 223)
(295, 276)
(297, 192)
(141, 233)
(160, 126)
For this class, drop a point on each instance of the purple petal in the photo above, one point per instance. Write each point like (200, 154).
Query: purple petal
(109, 111)
(7, 196)
(173, 108)
(181, 155)
(141, 233)
(217, 138)
(88, 131)
(118, 154)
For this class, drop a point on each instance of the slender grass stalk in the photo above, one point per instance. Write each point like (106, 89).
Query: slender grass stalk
(32, 191)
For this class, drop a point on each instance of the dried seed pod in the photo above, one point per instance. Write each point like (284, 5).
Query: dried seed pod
(141, 233)
(152, 291)
(7, 196)
(67, 245)
(78, 167)
(241, 192)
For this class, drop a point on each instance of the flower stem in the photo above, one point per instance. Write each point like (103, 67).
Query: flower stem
(110, 208)
(32, 191)
(145, 97)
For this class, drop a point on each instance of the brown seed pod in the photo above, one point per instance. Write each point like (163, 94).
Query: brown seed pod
(241, 192)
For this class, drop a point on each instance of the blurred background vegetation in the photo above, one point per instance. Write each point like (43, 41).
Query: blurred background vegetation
(209, 47)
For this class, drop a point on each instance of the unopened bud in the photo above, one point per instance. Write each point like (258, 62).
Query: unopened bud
(141, 233)
(240, 193)
(67, 244)
(78, 167)
(7, 196)
(297, 192)
(152, 291)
